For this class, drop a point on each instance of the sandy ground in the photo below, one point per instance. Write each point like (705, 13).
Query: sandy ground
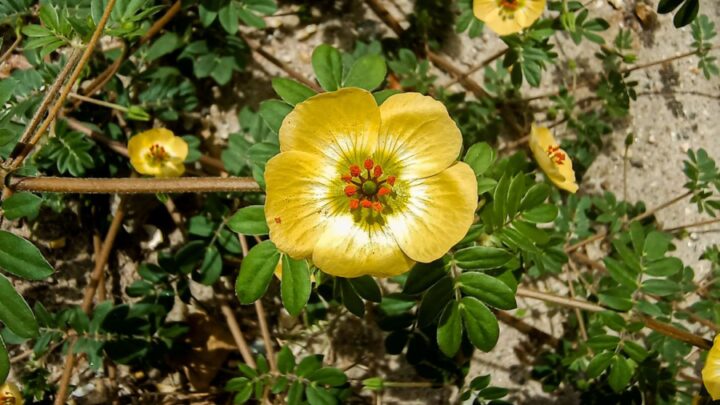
(666, 124)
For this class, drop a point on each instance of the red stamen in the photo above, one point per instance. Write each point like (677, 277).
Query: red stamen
(391, 180)
(350, 190)
(366, 203)
(354, 170)
(354, 204)
(383, 191)
(377, 206)
(346, 178)
(369, 163)
(377, 172)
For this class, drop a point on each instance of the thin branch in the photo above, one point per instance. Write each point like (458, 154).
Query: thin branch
(131, 185)
(660, 207)
(238, 335)
(477, 67)
(534, 333)
(676, 333)
(161, 22)
(258, 49)
(693, 225)
(10, 50)
(556, 299)
(662, 61)
(89, 294)
(66, 89)
(101, 103)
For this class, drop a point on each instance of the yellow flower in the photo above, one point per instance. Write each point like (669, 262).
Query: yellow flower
(158, 152)
(711, 371)
(552, 160)
(10, 395)
(507, 17)
(367, 190)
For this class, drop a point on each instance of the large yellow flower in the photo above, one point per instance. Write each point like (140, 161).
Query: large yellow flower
(552, 160)
(10, 395)
(361, 189)
(158, 152)
(507, 17)
(711, 371)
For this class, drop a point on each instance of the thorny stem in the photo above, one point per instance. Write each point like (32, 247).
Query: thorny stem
(66, 89)
(133, 185)
(660, 327)
(89, 294)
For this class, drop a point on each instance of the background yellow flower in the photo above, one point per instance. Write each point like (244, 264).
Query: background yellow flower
(711, 371)
(158, 152)
(10, 395)
(362, 189)
(507, 17)
(552, 160)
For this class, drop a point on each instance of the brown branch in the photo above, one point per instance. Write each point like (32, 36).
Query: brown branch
(556, 299)
(676, 333)
(660, 207)
(66, 88)
(133, 185)
(534, 333)
(238, 335)
(693, 225)
(12, 47)
(161, 22)
(477, 67)
(89, 294)
(662, 61)
(258, 49)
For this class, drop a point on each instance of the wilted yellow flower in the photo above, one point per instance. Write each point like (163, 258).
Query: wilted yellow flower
(158, 152)
(552, 160)
(10, 395)
(361, 189)
(711, 371)
(507, 17)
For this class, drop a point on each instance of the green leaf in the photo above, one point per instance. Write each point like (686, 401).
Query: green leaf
(488, 289)
(328, 376)
(599, 364)
(327, 63)
(22, 258)
(22, 204)
(482, 257)
(367, 73)
(656, 244)
(15, 312)
(620, 273)
(449, 332)
(291, 91)
(367, 288)
(249, 221)
(481, 326)
(620, 374)
(660, 287)
(536, 195)
(434, 301)
(382, 95)
(666, 6)
(211, 267)
(603, 342)
(687, 13)
(319, 396)
(667, 266)
(273, 112)
(256, 272)
(635, 351)
(228, 17)
(296, 285)
(4, 362)
(295, 392)
(480, 157)
(541, 214)
(286, 360)
(350, 298)
(423, 276)
(167, 43)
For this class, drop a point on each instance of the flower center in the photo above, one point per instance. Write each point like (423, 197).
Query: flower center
(556, 155)
(509, 5)
(367, 189)
(158, 154)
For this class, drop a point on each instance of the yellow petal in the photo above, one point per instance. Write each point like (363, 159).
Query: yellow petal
(437, 213)
(176, 148)
(483, 8)
(711, 371)
(563, 175)
(417, 136)
(500, 25)
(532, 10)
(340, 125)
(351, 248)
(300, 195)
(10, 394)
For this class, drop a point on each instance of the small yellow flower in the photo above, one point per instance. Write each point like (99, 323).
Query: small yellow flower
(552, 160)
(158, 152)
(507, 17)
(711, 371)
(10, 395)
(367, 190)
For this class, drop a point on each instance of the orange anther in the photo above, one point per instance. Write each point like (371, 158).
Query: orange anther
(354, 204)
(377, 206)
(383, 191)
(350, 190)
(346, 178)
(366, 203)
(377, 172)
(369, 163)
(354, 170)
(391, 180)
